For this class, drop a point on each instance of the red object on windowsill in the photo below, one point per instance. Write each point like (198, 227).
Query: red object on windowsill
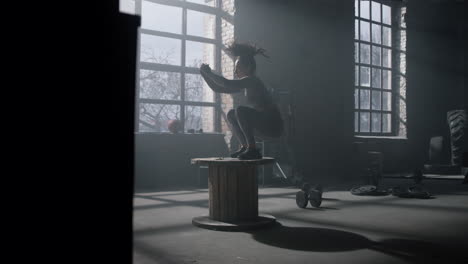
(174, 126)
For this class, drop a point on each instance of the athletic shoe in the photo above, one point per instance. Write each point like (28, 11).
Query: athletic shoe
(237, 153)
(250, 154)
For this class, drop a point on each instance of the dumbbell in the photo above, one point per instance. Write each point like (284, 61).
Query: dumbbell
(309, 194)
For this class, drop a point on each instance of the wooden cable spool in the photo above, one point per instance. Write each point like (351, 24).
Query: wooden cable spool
(233, 192)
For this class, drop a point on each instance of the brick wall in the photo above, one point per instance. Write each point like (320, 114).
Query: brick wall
(227, 66)
(227, 63)
(208, 57)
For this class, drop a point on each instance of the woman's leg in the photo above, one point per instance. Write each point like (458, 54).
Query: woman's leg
(237, 131)
(246, 117)
(267, 123)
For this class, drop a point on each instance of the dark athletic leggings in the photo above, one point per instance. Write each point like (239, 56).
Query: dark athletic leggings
(244, 120)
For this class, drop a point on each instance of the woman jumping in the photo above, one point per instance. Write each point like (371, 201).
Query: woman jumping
(261, 114)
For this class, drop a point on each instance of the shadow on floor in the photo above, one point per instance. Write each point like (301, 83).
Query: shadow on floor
(418, 251)
(321, 208)
(310, 239)
(330, 199)
(330, 240)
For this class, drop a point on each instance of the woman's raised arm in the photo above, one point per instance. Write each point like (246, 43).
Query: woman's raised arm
(222, 85)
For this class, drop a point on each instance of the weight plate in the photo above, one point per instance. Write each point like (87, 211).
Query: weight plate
(315, 198)
(302, 199)
(363, 190)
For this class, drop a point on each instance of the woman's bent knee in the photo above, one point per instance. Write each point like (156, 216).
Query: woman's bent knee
(243, 111)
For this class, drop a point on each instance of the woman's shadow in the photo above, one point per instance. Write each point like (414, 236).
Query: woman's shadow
(310, 239)
(330, 240)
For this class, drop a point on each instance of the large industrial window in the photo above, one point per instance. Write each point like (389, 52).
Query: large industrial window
(376, 111)
(175, 38)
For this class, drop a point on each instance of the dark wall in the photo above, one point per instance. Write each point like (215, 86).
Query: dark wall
(435, 71)
(311, 48)
(163, 160)
(435, 81)
(464, 33)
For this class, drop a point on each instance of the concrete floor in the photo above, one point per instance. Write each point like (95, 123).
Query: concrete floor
(346, 229)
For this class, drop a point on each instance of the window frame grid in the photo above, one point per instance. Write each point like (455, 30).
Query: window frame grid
(182, 69)
(359, 88)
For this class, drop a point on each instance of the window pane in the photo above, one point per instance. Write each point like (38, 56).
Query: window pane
(200, 24)
(356, 122)
(365, 31)
(386, 14)
(365, 99)
(376, 55)
(161, 17)
(199, 52)
(375, 11)
(160, 50)
(199, 117)
(386, 79)
(365, 9)
(356, 98)
(356, 52)
(376, 78)
(376, 122)
(203, 2)
(154, 117)
(365, 53)
(387, 123)
(159, 85)
(387, 101)
(365, 76)
(356, 75)
(376, 100)
(386, 36)
(387, 57)
(356, 7)
(364, 122)
(196, 89)
(356, 29)
(376, 37)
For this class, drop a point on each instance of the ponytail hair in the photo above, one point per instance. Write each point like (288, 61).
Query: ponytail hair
(237, 49)
(246, 53)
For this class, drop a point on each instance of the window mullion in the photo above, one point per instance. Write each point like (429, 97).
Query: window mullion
(371, 71)
(392, 74)
(177, 36)
(359, 68)
(137, 76)
(374, 66)
(359, 8)
(218, 35)
(182, 76)
(381, 71)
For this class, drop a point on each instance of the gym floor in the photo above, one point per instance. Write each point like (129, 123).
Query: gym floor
(345, 229)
